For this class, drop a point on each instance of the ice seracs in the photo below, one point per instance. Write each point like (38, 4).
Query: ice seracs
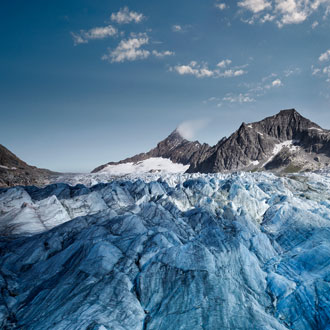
(178, 251)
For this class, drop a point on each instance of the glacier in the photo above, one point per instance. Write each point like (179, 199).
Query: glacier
(174, 251)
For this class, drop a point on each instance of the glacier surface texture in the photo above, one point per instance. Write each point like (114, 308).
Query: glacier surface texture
(239, 251)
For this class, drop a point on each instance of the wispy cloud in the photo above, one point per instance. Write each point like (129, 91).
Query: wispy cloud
(162, 53)
(221, 6)
(95, 33)
(293, 71)
(322, 69)
(188, 129)
(200, 71)
(250, 92)
(238, 98)
(224, 63)
(125, 16)
(177, 28)
(325, 56)
(203, 71)
(132, 49)
(231, 73)
(315, 24)
(277, 83)
(129, 50)
(255, 5)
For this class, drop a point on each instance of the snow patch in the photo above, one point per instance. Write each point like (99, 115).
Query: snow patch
(316, 128)
(8, 168)
(279, 146)
(154, 164)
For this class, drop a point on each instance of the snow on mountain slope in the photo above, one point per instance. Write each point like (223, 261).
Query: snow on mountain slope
(238, 251)
(154, 164)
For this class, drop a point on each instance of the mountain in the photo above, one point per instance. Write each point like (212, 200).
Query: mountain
(217, 251)
(174, 147)
(14, 171)
(285, 142)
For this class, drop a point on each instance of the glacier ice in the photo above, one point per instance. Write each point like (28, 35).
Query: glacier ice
(222, 251)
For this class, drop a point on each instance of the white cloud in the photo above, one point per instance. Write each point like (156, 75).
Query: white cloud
(326, 70)
(277, 83)
(224, 63)
(194, 69)
(125, 16)
(202, 71)
(129, 50)
(231, 73)
(323, 70)
(291, 72)
(163, 53)
(95, 33)
(315, 24)
(177, 28)
(254, 5)
(315, 71)
(282, 12)
(267, 18)
(188, 129)
(240, 98)
(221, 6)
(325, 56)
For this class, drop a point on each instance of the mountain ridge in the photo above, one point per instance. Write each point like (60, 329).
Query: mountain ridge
(284, 142)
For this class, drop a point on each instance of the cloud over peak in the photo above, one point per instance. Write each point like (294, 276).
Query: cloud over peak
(189, 128)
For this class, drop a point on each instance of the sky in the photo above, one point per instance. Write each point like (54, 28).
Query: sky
(86, 82)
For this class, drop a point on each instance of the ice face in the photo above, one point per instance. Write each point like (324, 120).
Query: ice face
(239, 251)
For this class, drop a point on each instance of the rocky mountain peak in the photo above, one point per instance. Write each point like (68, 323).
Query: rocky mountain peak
(286, 141)
(172, 141)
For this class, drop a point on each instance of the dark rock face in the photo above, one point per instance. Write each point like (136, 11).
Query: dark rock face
(286, 139)
(14, 171)
(174, 147)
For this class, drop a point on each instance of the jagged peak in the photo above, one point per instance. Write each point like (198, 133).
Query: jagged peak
(289, 112)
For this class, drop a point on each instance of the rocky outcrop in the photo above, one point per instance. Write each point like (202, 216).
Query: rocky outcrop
(14, 171)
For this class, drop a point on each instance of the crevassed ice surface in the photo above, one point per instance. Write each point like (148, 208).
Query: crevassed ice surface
(240, 251)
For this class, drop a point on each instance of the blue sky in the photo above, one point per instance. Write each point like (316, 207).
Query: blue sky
(87, 82)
